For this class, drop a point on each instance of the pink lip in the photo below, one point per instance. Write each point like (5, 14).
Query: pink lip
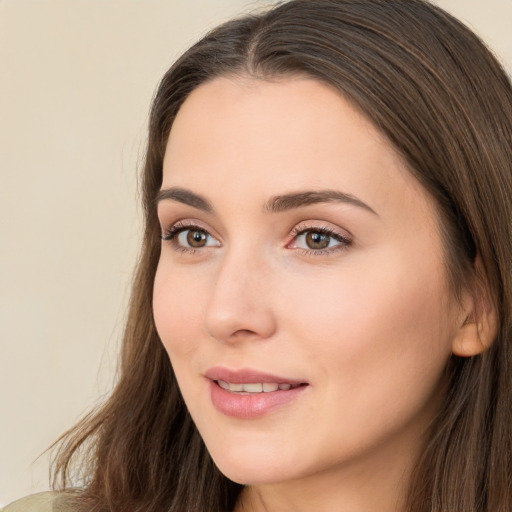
(246, 376)
(246, 406)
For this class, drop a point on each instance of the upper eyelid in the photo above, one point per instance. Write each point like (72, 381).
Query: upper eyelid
(319, 225)
(169, 213)
(342, 239)
(186, 223)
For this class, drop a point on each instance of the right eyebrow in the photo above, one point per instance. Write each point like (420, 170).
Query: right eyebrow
(184, 196)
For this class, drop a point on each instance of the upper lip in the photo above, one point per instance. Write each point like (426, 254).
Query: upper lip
(247, 376)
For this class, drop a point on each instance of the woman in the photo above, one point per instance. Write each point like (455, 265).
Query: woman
(321, 314)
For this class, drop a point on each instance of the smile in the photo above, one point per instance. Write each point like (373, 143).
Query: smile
(257, 387)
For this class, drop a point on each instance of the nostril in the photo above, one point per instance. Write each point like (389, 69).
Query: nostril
(243, 332)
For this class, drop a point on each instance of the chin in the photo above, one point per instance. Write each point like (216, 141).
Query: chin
(248, 469)
(247, 474)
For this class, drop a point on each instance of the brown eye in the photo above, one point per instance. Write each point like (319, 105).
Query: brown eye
(320, 241)
(190, 237)
(196, 238)
(317, 240)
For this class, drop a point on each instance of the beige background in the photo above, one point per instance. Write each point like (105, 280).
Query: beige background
(76, 80)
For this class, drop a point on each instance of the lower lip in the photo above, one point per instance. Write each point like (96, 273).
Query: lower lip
(246, 406)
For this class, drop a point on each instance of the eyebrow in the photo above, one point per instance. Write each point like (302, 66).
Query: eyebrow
(275, 204)
(184, 196)
(300, 199)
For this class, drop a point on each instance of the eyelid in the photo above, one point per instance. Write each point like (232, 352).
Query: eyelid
(172, 233)
(186, 223)
(337, 234)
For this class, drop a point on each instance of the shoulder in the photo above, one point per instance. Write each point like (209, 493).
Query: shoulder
(41, 502)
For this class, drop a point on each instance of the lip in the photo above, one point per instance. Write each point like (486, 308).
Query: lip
(250, 405)
(247, 375)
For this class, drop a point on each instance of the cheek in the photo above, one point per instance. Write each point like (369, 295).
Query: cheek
(176, 310)
(381, 334)
(367, 303)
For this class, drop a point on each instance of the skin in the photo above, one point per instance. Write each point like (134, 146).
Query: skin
(369, 324)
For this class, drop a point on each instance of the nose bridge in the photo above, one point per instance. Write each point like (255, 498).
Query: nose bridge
(239, 304)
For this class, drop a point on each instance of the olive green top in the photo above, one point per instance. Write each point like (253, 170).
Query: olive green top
(41, 502)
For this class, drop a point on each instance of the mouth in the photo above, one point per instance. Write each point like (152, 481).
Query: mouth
(250, 394)
(256, 387)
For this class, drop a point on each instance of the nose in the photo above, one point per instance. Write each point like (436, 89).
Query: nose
(240, 306)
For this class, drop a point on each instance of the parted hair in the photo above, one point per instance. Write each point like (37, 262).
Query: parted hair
(445, 103)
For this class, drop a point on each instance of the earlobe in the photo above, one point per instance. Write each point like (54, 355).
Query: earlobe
(480, 325)
(472, 339)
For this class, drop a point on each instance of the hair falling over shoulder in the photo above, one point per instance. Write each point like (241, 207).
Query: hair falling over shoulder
(445, 103)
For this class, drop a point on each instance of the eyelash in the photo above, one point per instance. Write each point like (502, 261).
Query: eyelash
(301, 230)
(175, 230)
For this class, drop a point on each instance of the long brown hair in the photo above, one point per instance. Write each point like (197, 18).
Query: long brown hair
(445, 103)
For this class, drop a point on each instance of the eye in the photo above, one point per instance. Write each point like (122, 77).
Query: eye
(318, 240)
(315, 240)
(190, 237)
(193, 238)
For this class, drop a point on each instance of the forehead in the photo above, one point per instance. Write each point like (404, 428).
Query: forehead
(276, 115)
(255, 138)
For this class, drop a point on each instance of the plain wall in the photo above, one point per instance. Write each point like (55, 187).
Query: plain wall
(76, 81)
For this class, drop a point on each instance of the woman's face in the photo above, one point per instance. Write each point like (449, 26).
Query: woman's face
(301, 292)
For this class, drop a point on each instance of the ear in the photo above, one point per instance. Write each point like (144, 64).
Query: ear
(479, 320)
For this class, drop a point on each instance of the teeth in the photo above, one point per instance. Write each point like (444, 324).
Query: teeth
(252, 388)
(256, 387)
(222, 384)
(230, 387)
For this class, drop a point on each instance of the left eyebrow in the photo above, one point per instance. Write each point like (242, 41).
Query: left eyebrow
(286, 202)
(184, 196)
